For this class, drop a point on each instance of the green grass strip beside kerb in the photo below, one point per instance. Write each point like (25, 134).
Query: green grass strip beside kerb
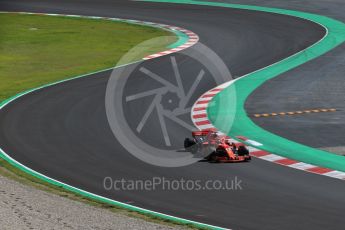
(182, 39)
(219, 111)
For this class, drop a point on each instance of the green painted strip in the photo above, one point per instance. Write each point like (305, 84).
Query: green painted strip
(96, 197)
(220, 111)
(182, 39)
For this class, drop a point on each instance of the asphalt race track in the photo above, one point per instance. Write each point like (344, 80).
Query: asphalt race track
(62, 131)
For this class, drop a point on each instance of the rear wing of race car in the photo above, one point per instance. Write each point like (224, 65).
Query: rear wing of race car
(200, 133)
(203, 132)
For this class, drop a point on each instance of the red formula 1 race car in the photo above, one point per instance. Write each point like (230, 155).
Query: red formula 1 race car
(215, 147)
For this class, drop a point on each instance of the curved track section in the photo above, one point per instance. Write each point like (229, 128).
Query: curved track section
(62, 131)
(201, 120)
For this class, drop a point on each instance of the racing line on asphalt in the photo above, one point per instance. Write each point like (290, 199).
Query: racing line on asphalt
(62, 131)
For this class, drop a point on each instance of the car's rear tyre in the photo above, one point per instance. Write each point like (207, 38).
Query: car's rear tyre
(214, 159)
(188, 144)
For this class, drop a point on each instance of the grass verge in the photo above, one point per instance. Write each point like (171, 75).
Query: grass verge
(37, 49)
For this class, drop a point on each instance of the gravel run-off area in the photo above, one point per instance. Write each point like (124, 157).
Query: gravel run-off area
(25, 207)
